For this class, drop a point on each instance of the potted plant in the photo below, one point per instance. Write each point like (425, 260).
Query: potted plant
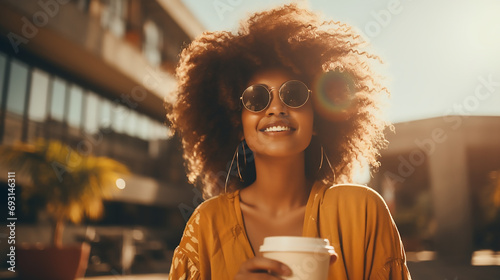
(68, 186)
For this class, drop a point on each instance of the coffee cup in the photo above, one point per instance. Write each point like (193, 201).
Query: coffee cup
(307, 257)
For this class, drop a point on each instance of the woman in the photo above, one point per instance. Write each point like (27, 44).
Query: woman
(274, 121)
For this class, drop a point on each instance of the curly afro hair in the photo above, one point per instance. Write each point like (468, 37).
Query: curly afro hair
(330, 57)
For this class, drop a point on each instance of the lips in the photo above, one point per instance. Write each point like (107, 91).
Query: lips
(279, 126)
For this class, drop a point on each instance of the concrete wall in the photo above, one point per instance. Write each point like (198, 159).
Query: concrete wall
(445, 148)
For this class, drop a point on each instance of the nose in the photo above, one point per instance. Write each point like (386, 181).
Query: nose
(276, 107)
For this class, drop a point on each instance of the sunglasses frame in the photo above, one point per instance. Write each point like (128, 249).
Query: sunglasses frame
(270, 89)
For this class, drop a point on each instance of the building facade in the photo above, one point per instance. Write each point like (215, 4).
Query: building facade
(94, 74)
(441, 179)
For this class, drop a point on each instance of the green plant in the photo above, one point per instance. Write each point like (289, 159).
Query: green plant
(64, 182)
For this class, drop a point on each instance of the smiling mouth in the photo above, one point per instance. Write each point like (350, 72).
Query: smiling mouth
(278, 128)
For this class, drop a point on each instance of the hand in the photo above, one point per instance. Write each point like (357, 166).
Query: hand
(263, 269)
(333, 257)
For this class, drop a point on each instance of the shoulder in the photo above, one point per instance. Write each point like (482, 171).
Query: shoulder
(352, 192)
(208, 216)
(358, 208)
(217, 204)
(214, 210)
(353, 199)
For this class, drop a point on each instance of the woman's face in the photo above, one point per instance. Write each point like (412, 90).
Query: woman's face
(278, 130)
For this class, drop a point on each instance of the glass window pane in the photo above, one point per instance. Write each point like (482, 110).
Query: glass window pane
(16, 93)
(155, 131)
(165, 132)
(58, 99)
(152, 42)
(120, 117)
(91, 110)
(105, 114)
(131, 124)
(37, 110)
(3, 62)
(112, 17)
(143, 126)
(160, 131)
(149, 132)
(75, 106)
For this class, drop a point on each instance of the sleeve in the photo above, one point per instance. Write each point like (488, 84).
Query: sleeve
(185, 262)
(394, 269)
(359, 225)
(388, 251)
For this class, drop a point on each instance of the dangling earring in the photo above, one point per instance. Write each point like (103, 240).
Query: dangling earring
(244, 158)
(321, 161)
(230, 168)
(244, 154)
(323, 154)
(237, 157)
(238, 162)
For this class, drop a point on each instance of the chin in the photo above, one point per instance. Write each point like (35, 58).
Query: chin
(283, 151)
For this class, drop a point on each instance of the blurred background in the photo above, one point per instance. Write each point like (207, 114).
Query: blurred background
(93, 74)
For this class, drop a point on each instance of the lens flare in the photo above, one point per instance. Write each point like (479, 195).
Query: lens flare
(120, 183)
(333, 95)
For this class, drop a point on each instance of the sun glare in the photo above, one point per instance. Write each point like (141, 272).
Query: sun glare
(120, 183)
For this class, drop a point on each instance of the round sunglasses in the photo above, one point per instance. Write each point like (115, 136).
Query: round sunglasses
(293, 94)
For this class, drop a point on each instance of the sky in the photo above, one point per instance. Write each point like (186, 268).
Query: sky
(442, 57)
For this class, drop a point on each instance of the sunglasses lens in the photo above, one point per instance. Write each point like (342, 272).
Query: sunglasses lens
(255, 98)
(294, 93)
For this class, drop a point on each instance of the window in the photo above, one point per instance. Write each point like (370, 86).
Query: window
(90, 123)
(143, 127)
(3, 63)
(37, 110)
(16, 93)
(105, 114)
(153, 42)
(131, 125)
(166, 133)
(58, 99)
(155, 131)
(113, 17)
(161, 131)
(120, 118)
(75, 106)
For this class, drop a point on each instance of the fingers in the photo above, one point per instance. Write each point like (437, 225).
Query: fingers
(267, 265)
(263, 268)
(257, 276)
(333, 257)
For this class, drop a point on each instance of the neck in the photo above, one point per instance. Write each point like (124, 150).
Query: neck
(280, 185)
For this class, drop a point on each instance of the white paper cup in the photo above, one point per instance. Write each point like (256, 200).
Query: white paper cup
(307, 257)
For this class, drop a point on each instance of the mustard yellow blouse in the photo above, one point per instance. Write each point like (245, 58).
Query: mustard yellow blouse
(354, 218)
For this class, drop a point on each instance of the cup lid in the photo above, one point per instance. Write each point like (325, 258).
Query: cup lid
(296, 244)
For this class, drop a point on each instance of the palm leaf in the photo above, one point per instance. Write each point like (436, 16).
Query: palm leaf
(70, 184)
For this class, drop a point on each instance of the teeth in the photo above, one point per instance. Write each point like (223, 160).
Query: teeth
(277, 128)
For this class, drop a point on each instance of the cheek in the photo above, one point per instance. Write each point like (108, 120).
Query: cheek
(308, 131)
(249, 123)
(307, 119)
